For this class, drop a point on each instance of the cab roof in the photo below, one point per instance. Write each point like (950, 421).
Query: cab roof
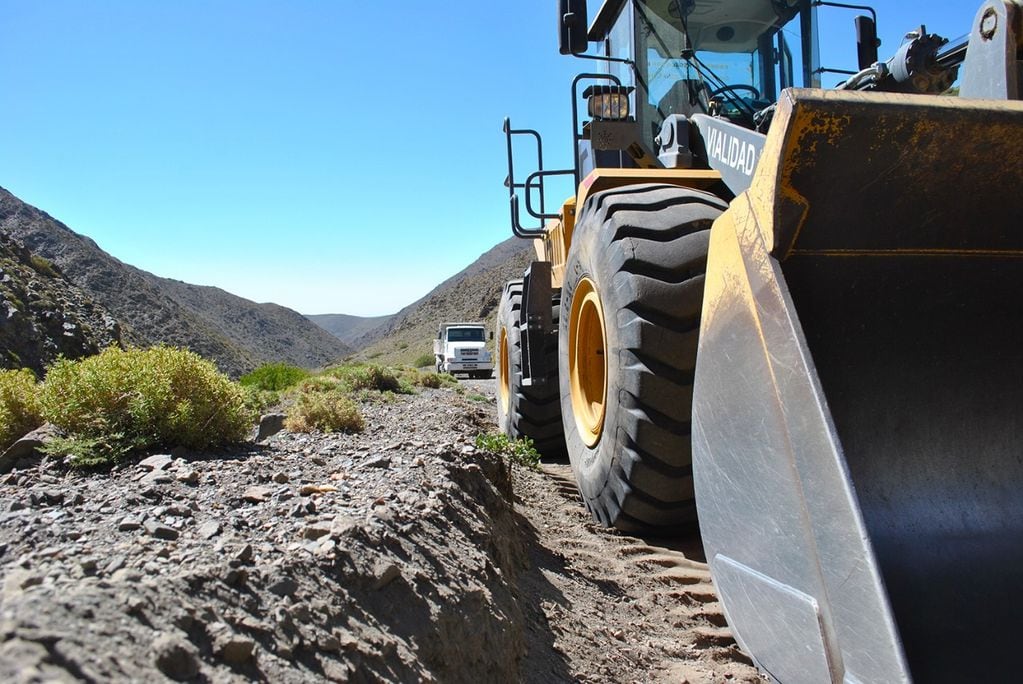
(717, 25)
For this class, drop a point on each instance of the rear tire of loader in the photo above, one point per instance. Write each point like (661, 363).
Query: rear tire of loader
(630, 318)
(525, 412)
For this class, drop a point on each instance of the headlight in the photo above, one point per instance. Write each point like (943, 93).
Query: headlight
(609, 106)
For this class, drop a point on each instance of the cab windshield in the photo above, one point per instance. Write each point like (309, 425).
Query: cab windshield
(743, 53)
(466, 335)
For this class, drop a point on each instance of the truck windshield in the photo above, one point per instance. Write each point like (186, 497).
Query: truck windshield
(466, 335)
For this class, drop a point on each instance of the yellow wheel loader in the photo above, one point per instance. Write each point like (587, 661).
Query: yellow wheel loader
(794, 315)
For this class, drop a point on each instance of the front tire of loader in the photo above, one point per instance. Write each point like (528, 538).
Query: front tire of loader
(525, 412)
(630, 317)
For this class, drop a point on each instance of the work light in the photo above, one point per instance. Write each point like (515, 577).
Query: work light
(608, 103)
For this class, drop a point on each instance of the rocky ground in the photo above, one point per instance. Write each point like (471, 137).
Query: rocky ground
(401, 554)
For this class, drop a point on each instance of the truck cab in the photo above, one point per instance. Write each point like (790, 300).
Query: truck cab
(462, 348)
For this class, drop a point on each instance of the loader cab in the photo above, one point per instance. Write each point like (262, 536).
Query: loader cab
(729, 58)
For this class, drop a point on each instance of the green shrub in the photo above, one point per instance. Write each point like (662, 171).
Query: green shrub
(330, 411)
(20, 411)
(371, 377)
(319, 383)
(259, 400)
(520, 451)
(274, 377)
(123, 400)
(431, 380)
(425, 360)
(44, 266)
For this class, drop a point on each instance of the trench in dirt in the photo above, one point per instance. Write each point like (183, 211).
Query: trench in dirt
(603, 606)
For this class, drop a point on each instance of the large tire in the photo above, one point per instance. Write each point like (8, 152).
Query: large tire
(533, 412)
(637, 262)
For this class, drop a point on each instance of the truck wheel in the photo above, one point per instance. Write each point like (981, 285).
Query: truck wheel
(535, 411)
(630, 318)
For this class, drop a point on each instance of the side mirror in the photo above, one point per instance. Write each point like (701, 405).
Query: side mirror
(491, 335)
(866, 42)
(572, 39)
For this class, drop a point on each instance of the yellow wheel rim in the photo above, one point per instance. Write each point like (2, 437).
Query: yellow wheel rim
(587, 362)
(503, 370)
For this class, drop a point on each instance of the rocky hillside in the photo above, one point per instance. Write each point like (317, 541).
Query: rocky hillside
(43, 315)
(471, 295)
(234, 332)
(347, 328)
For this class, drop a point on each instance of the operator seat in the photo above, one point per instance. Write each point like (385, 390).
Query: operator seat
(687, 96)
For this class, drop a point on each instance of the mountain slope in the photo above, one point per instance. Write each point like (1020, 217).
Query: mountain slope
(43, 315)
(234, 332)
(470, 295)
(348, 328)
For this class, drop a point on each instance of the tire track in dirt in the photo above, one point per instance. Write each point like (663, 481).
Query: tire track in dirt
(623, 609)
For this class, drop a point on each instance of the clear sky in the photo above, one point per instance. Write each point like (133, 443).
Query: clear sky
(333, 157)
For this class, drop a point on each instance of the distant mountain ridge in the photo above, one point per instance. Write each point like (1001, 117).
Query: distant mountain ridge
(472, 294)
(348, 328)
(234, 332)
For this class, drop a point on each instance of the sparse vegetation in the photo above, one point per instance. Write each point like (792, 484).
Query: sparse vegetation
(413, 377)
(259, 400)
(424, 361)
(519, 451)
(431, 380)
(44, 266)
(371, 377)
(329, 411)
(319, 383)
(20, 411)
(120, 401)
(274, 377)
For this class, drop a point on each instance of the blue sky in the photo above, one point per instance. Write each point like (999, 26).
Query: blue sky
(333, 157)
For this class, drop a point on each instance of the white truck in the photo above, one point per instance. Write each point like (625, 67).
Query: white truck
(461, 348)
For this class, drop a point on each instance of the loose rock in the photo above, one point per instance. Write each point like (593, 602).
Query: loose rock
(175, 657)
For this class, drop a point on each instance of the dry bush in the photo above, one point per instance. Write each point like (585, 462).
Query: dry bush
(370, 377)
(20, 412)
(431, 380)
(124, 400)
(329, 411)
(319, 383)
(425, 361)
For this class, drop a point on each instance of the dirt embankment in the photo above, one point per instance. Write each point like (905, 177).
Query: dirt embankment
(402, 554)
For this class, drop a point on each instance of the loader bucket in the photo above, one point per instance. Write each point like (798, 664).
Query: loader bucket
(858, 403)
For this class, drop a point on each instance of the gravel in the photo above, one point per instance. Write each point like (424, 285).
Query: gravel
(399, 554)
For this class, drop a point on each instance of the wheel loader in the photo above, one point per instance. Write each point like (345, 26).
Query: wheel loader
(793, 316)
